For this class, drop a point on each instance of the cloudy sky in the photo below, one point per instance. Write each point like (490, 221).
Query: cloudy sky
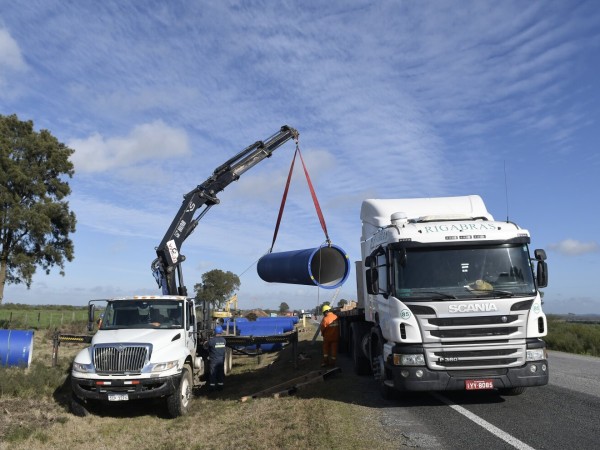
(391, 99)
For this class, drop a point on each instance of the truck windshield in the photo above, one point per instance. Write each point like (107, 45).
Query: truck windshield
(462, 272)
(142, 314)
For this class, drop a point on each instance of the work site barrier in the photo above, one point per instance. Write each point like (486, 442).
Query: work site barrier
(240, 343)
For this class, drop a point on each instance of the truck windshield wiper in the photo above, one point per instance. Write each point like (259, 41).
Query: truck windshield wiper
(428, 293)
(494, 292)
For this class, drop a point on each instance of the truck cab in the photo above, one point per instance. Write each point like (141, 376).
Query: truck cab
(451, 296)
(145, 347)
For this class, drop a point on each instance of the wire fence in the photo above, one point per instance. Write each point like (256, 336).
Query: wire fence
(40, 319)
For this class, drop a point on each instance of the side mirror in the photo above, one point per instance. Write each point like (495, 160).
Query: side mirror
(372, 278)
(91, 314)
(542, 274)
(540, 254)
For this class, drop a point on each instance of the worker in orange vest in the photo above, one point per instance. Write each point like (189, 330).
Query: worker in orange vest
(331, 336)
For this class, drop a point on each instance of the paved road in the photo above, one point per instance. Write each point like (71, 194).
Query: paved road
(562, 415)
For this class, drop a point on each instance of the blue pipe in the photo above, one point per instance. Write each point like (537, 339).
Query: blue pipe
(326, 266)
(16, 348)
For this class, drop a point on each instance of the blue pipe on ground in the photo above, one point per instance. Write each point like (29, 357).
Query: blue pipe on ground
(16, 348)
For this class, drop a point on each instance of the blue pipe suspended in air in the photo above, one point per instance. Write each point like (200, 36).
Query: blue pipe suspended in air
(326, 267)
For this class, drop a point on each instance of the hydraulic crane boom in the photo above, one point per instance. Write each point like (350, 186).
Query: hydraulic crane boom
(167, 266)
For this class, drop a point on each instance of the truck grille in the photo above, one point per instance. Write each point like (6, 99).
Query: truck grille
(121, 358)
(473, 342)
(476, 357)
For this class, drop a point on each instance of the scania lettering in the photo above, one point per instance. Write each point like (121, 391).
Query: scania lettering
(486, 307)
(447, 299)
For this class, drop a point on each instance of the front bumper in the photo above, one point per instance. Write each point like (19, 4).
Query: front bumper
(135, 388)
(454, 380)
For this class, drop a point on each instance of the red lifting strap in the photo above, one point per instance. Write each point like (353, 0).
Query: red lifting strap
(312, 193)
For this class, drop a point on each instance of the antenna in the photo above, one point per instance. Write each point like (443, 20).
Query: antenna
(506, 191)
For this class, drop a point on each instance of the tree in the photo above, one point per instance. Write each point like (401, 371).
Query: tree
(35, 220)
(283, 307)
(217, 287)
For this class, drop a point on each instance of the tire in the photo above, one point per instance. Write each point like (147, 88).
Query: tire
(228, 363)
(512, 391)
(78, 407)
(178, 403)
(362, 365)
(380, 374)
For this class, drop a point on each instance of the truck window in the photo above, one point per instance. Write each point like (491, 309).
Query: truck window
(382, 272)
(451, 270)
(143, 314)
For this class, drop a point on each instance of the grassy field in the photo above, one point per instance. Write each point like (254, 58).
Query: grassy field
(38, 317)
(580, 338)
(34, 409)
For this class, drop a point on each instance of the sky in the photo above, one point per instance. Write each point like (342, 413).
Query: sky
(392, 99)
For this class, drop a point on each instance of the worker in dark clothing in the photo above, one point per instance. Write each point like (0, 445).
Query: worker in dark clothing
(216, 355)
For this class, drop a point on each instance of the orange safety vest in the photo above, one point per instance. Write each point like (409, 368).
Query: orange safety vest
(330, 327)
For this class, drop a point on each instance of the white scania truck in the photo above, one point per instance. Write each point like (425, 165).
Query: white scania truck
(448, 299)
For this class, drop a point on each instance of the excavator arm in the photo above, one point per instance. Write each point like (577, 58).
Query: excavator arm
(196, 203)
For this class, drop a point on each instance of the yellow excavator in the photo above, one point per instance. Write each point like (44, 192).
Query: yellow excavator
(228, 311)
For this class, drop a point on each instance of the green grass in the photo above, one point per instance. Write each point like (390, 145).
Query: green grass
(17, 316)
(37, 381)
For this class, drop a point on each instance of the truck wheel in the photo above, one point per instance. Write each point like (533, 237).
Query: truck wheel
(386, 390)
(362, 365)
(512, 391)
(78, 407)
(178, 403)
(228, 363)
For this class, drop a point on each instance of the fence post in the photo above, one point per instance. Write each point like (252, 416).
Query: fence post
(55, 344)
(39, 314)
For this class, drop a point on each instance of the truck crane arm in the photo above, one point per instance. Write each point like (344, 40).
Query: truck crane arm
(196, 203)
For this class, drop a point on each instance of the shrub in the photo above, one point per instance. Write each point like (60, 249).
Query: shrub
(583, 339)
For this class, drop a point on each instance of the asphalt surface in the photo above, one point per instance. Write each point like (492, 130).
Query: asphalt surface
(565, 414)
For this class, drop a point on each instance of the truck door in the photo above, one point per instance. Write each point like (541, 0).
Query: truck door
(190, 326)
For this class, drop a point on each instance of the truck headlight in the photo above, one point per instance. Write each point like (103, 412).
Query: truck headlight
(417, 359)
(161, 367)
(84, 368)
(536, 354)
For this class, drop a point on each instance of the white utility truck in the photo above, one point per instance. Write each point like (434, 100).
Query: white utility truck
(153, 346)
(448, 299)
(145, 347)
